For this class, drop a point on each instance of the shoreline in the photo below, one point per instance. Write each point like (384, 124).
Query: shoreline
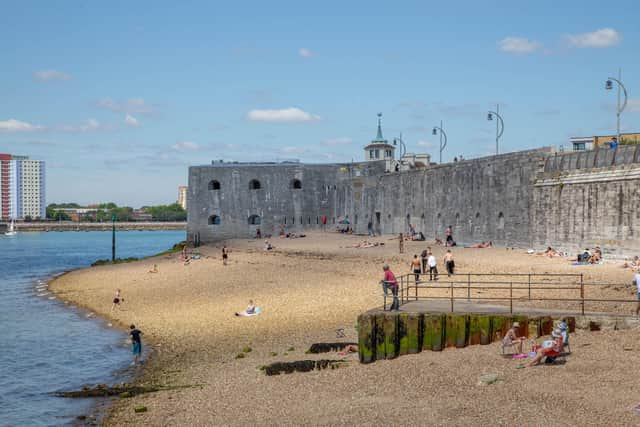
(25, 227)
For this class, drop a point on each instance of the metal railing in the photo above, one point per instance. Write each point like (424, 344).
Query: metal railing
(500, 287)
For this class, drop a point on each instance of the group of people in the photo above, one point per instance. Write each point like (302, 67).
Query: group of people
(419, 266)
(550, 349)
(136, 340)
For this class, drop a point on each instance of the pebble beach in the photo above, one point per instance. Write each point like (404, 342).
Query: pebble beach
(308, 288)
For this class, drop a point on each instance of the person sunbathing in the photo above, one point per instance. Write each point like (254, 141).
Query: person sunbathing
(349, 348)
(250, 311)
(549, 348)
(511, 338)
(480, 245)
(633, 264)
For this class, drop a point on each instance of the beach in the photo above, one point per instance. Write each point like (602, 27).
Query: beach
(307, 289)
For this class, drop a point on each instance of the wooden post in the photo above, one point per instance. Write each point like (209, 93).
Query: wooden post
(451, 286)
(582, 292)
(529, 286)
(417, 290)
(510, 297)
(469, 287)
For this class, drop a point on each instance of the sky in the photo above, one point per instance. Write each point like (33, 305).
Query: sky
(120, 98)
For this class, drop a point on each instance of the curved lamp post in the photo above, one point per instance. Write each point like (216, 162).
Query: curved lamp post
(608, 86)
(113, 238)
(499, 126)
(442, 134)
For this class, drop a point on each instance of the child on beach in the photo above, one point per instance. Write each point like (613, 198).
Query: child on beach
(136, 343)
(117, 298)
(251, 310)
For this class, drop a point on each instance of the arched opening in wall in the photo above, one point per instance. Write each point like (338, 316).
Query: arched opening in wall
(309, 220)
(389, 216)
(254, 220)
(301, 221)
(285, 220)
(293, 220)
(254, 184)
(500, 221)
(214, 185)
(355, 220)
(214, 220)
(333, 220)
(296, 184)
(317, 220)
(408, 224)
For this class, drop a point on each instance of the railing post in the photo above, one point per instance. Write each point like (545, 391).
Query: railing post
(582, 292)
(529, 286)
(469, 287)
(417, 290)
(511, 297)
(451, 286)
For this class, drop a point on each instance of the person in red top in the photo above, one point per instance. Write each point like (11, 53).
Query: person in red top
(389, 282)
(552, 350)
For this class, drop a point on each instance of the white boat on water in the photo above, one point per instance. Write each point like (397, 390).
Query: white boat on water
(12, 230)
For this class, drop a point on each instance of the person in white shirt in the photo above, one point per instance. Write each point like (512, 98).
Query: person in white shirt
(636, 281)
(433, 267)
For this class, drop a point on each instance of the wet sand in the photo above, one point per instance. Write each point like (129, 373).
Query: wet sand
(308, 288)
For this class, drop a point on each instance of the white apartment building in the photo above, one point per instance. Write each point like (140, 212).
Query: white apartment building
(22, 188)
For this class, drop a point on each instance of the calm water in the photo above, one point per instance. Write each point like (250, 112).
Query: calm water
(46, 346)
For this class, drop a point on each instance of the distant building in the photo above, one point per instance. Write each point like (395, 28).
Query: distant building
(582, 143)
(379, 148)
(22, 188)
(141, 215)
(182, 196)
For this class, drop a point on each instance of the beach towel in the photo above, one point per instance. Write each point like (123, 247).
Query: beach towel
(256, 312)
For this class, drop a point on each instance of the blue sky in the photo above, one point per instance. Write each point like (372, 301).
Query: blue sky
(119, 98)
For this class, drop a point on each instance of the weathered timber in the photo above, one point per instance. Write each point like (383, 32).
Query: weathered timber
(409, 333)
(433, 334)
(366, 338)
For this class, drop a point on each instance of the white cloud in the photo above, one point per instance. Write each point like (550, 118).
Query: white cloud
(91, 125)
(285, 115)
(185, 146)
(129, 106)
(129, 120)
(518, 45)
(426, 144)
(305, 53)
(338, 141)
(13, 125)
(604, 37)
(50, 75)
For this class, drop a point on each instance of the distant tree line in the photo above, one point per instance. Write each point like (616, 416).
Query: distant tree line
(105, 211)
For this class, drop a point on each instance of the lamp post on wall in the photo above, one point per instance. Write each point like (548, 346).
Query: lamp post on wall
(499, 125)
(608, 86)
(443, 134)
(113, 238)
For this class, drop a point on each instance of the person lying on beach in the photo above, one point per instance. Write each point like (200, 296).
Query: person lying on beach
(482, 245)
(550, 252)
(549, 349)
(350, 348)
(117, 299)
(250, 311)
(154, 269)
(596, 256)
(267, 245)
(437, 242)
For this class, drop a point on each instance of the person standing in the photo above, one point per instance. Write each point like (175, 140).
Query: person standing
(136, 343)
(433, 267)
(370, 229)
(401, 243)
(389, 282)
(636, 281)
(225, 255)
(424, 256)
(449, 263)
(448, 232)
(117, 299)
(415, 267)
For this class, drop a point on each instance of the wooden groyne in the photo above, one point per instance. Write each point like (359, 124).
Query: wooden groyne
(97, 226)
(387, 335)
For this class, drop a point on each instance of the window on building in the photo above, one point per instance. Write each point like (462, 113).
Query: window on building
(377, 154)
(371, 154)
(214, 220)
(214, 185)
(254, 184)
(254, 220)
(500, 220)
(296, 184)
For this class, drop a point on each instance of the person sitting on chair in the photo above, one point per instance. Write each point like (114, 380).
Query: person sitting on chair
(511, 338)
(549, 349)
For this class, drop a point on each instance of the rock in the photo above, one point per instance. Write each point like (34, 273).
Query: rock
(125, 394)
(488, 379)
(140, 408)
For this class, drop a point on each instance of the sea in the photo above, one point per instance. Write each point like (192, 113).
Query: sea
(47, 345)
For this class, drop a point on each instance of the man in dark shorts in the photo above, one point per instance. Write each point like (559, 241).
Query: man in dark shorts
(136, 343)
(449, 233)
(225, 255)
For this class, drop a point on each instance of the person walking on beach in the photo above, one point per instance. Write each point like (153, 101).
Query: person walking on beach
(449, 263)
(117, 299)
(225, 255)
(415, 267)
(433, 267)
(136, 343)
(389, 282)
(424, 256)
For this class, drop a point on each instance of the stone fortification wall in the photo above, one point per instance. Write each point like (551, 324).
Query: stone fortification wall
(589, 198)
(482, 199)
(223, 202)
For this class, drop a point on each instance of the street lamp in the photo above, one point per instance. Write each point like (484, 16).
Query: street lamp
(499, 125)
(608, 86)
(403, 148)
(442, 134)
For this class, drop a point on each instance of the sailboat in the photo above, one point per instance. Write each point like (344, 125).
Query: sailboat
(12, 229)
